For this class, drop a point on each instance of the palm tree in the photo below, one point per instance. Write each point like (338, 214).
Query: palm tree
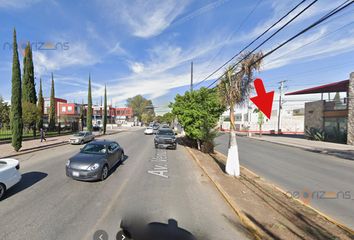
(234, 89)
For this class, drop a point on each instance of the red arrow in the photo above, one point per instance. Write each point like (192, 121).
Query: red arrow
(263, 100)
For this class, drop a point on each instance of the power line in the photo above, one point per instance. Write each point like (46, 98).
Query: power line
(315, 40)
(261, 35)
(328, 15)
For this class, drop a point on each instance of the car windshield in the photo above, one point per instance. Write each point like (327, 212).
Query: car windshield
(94, 148)
(79, 134)
(165, 132)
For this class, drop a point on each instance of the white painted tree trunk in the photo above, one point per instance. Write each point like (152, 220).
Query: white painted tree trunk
(233, 163)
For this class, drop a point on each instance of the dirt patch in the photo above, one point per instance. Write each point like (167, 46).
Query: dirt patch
(264, 209)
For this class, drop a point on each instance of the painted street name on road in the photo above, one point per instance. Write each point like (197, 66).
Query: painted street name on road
(160, 167)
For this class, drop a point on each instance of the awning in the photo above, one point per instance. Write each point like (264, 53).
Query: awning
(341, 86)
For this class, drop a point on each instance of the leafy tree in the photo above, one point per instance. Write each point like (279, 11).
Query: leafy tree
(29, 97)
(105, 111)
(198, 112)
(40, 106)
(30, 113)
(168, 118)
(89, 107)
(52, 107)
(4, 114)
(147, 118)
(140, 105)
(234, 89)
(16, 102)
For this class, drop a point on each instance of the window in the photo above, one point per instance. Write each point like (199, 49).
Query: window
(63, 109)
(70, 108)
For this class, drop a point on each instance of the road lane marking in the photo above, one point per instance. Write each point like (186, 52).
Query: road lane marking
(160, 167)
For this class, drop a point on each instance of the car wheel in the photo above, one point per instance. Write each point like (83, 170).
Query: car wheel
(156, 146)
(104, 173)
(121, 157)
(175, 147)
(82, 142)
(2, 190)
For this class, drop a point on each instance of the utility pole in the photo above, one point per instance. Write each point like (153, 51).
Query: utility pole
(192, 76)
(281, 87)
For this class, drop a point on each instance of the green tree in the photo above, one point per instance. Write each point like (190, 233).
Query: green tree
(89, 107)
(28, 84)
(40, 106)
(140, 105)
(30, 113)
(29, 96)
(105, 111)
(168, 118)
(147, 117)
(198, 112)
(16, 102)
(234, 89)
(260, 120)
(52, 107)
(4, 114)
(82, 115)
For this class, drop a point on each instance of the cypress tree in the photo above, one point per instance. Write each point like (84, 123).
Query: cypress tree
(105, 110)
(28, 84)
(29, 96)
(40, 105)
(16, 103)
(89, 107)
(52, 107)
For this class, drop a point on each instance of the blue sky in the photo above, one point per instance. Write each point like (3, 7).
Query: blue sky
(145, 47)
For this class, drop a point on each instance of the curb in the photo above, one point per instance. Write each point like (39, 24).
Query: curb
(53, 145)
(311, 149)
(244, 219)
(328, 218)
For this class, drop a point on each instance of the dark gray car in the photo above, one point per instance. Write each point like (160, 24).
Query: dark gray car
(94, 161)
(165, 137)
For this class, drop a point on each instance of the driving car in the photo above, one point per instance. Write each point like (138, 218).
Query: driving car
(149, 131)
(9, 174)
(165, 137)
(94, 161)
(82, 137)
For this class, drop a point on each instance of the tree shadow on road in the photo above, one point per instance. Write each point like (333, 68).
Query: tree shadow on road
(28, 180)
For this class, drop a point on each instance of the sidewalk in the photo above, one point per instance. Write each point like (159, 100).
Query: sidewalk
(6, 150)
(335, 149)
(266, 211)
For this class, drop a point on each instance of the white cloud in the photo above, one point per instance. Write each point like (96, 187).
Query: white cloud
(17, 3)
(52, 60)
(137, 67)
(145, 18)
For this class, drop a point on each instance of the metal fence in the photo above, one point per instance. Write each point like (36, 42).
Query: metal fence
(59, 129)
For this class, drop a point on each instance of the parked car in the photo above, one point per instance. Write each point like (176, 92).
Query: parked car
(96, 128)
(155, 128)
(9, 174)
(165, 137)
(81, 137)
(94, 161)
(149, 131)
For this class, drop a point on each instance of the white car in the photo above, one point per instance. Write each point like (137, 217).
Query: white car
(9, 174)
(82, 137)
(149, 131)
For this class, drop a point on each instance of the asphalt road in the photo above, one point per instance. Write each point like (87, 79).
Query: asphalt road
(150, 186)
(325, 182)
